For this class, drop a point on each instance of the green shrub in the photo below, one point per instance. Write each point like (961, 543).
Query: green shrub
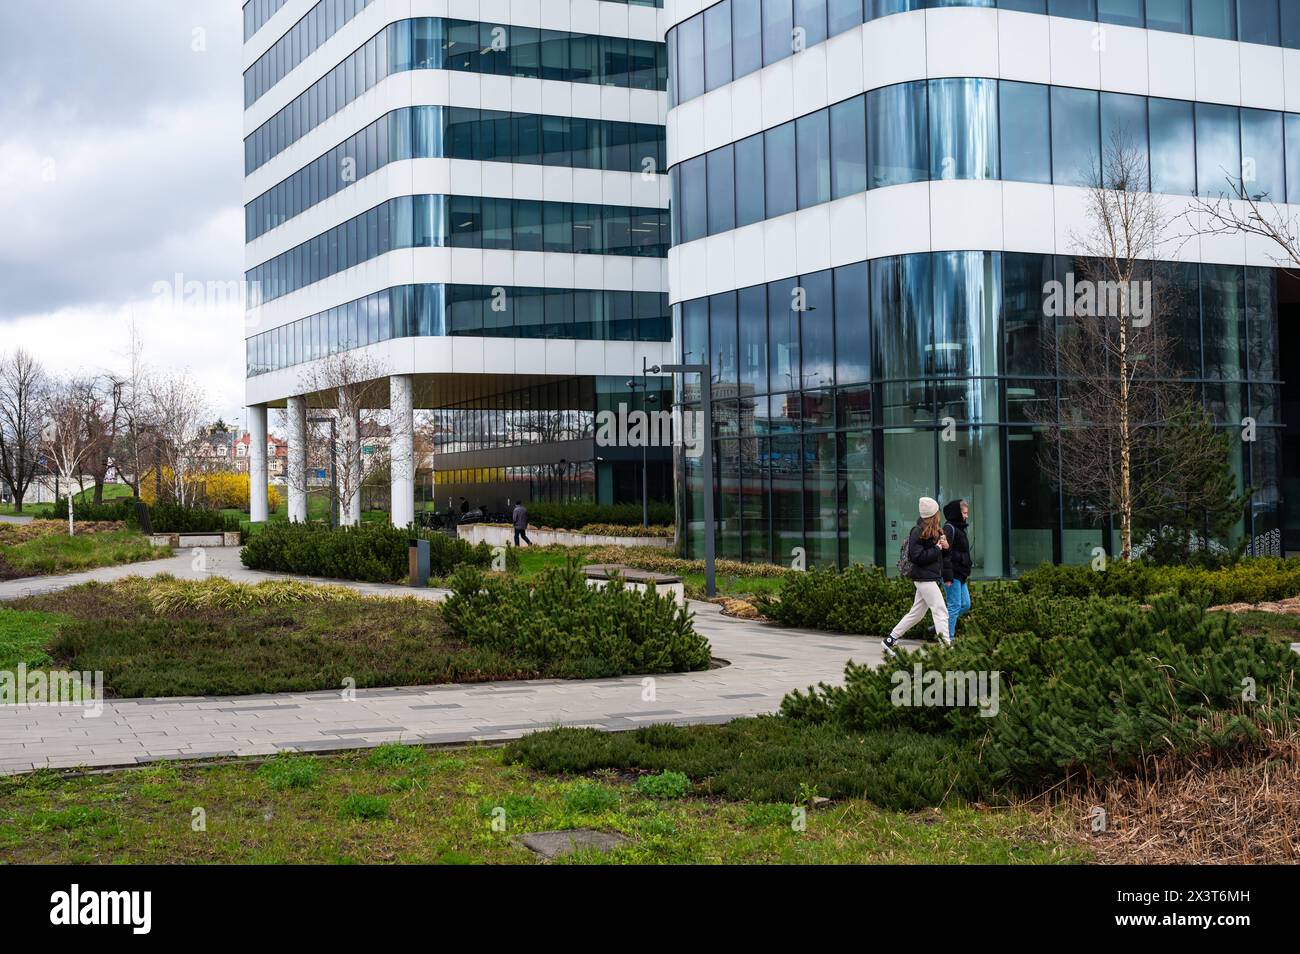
(860, 599)
(1130, 683)
(172, 518)
(589, 798)
(574, 516)
(1252, 580)
(558, 620)
(373, 553)
(122, 509)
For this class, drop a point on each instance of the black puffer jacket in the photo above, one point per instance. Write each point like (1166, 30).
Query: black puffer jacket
(956, 559)
(926, 557)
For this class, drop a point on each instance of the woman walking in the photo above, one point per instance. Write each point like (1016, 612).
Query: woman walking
(957, 562)
(923, 562)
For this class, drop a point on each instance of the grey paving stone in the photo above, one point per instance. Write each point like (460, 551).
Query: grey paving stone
(437, 705)
(557, 844)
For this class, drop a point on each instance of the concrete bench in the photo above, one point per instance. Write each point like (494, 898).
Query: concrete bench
(598, 575)
(180, 541)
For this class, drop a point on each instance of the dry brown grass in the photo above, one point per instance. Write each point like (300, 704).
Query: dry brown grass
(12, 534)
(1239, 807)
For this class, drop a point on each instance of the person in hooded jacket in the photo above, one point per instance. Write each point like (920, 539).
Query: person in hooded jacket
(926, 546)
(956, 562)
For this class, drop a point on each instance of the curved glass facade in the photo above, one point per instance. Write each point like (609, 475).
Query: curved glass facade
(930, 374)
(464, 221)
(733, 38)
(436, 43)
(483, 311)
(454, 132)
(983, 129)
(303, 38)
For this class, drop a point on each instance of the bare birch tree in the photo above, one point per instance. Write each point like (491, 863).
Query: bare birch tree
(179, 411)
(63, 436)
(22, 396)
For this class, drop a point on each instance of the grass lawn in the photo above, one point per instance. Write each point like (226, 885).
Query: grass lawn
(60, 553)
(409, 805)
(25, 637)
(1279, 626)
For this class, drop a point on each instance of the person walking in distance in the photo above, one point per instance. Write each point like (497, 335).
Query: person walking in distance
(519, 519)
(956, 562)
(921, 560)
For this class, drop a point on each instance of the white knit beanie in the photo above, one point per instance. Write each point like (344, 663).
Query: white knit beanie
(928, 507)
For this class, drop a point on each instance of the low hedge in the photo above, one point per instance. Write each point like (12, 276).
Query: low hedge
(1252, 580)
(560, 621)
(575, 516)
(121, 509)
(163, 518)
(371, 553)
(1130, 683)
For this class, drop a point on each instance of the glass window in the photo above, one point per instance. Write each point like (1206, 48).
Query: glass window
(1291, 25)
(778, 30)
(810, 21)
(842, 15)
(1077, 9)
(750, 180)
(1293, 157)
(963, 129)
(852, 325)
(901, 302)
(1261, 304)
(1120, 12)
(695, 331)
(746, 36)
(1224, 321)
(752, 313)
(1173, 146)
(817, 330)
(1216, 18)
(694, 205)
(722, 331)
(967, 302)
(1172, 16)
(970, 469)
(722, 190)
(1124, 142)
(717, 45)
(1262, 159)
(779, 160)
(1218, 149)
(690, 58)
(848, 122)
(858, 499)
(1026, 140)
(1028, 335)
(908, 459)
(813, 144)
(1258, 20)
(783, 334)
(1076, 136)
(1024, 6)
(897, 134)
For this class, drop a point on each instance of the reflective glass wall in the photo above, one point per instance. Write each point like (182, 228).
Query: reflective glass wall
(733, 38)
(984, 129)
(842, 396)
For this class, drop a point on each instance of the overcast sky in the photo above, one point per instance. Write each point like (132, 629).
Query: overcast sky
(121, 168)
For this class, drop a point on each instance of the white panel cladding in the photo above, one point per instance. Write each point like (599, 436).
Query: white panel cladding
(468, 355)
(615, 19)
(460, 177)
(470, 266)
(963, 45)
(999, 44)
(952, 215)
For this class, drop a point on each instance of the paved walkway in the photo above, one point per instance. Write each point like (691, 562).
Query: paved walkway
(765, 662)
(10, 518)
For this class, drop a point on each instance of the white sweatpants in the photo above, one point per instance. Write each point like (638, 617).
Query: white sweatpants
(929, 596)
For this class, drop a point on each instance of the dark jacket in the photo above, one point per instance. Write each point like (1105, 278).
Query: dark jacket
(926, 557)
(956, 559)
(519, 517)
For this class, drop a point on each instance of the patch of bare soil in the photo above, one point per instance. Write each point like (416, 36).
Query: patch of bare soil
(1229, 808)
(1288, 607)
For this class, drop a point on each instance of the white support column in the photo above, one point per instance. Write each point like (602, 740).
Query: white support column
(257, 473)
(350, 462)
(297, 469)
(402, 449)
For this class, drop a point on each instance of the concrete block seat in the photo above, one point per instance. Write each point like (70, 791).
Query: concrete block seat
(599, 574)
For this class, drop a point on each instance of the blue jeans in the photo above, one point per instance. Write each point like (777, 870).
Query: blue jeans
(957, 594)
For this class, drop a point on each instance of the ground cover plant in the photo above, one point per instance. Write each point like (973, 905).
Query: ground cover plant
(43, 547)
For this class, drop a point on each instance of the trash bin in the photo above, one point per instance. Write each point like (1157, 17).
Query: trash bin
(418, 554)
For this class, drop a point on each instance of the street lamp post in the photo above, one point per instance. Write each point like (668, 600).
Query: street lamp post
(646, 400)
(706, 411)
(334, 478)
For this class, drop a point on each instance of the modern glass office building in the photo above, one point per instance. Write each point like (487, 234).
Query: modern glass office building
(471, 197)
(869, 200)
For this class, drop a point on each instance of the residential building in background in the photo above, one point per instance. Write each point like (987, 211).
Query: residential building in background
(468, 200)
(913, 178)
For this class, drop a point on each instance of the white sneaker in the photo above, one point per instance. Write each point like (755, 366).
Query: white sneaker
(945, 639)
